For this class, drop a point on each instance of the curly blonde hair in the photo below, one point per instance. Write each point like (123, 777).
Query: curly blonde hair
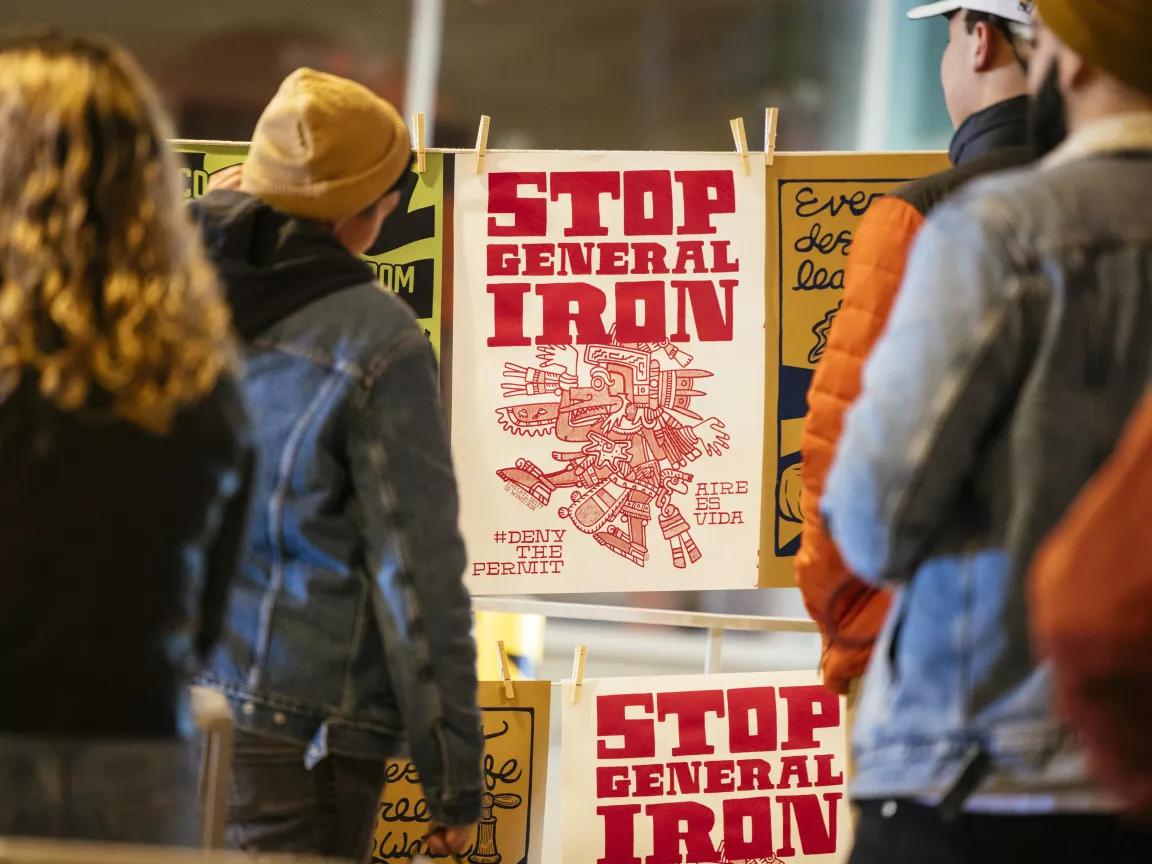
(107, 301)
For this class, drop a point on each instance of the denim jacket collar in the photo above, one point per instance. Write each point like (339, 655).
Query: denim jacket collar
(1121, 132)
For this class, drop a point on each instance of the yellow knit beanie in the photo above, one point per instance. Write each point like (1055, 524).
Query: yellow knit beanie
(1115, 35)
(325, 148)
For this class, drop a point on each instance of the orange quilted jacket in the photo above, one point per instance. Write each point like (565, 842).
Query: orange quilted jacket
(1091, 611)
(849, 612)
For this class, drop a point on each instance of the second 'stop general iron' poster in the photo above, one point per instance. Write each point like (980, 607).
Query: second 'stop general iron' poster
(608, 370)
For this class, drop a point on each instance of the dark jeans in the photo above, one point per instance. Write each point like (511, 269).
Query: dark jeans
(906, 833)
(107, 790)
(278, 805)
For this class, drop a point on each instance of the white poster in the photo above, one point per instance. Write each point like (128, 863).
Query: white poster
(705, 768)
(608, 370)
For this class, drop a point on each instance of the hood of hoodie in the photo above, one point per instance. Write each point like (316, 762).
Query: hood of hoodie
(271, 264)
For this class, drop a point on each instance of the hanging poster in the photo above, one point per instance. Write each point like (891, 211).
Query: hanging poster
(608, 370)
(515, 776)
(407, 258)
(815, 202)
(705, 768)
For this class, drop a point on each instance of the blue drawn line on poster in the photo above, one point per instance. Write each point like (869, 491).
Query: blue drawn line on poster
(792, 382)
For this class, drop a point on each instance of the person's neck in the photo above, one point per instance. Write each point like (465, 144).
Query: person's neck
(998, 88)
(1103, 105)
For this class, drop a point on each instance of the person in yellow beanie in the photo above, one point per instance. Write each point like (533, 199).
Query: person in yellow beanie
(1017, 347)
(1093, 62)
(349, 628)
(326, 148)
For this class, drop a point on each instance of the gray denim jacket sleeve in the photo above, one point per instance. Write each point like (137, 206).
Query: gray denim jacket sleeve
(406, 487)
(947, 367)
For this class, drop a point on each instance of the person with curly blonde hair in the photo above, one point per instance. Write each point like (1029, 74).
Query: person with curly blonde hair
(124, 462)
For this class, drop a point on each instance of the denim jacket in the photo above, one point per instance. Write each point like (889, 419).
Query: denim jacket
(1018, 346)
(349, 626)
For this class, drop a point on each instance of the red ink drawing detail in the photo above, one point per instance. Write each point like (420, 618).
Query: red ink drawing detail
(626, 409)
(722, 858)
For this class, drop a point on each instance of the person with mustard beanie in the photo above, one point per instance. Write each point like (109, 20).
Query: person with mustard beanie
(1091, 584)
(1095, 66)
(348, 634)
(1015, 352)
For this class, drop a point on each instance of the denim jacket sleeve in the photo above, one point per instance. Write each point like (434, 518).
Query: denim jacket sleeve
(225, 552)
(406, 487)
(946, 368)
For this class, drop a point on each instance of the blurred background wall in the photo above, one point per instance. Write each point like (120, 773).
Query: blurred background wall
(630, 74)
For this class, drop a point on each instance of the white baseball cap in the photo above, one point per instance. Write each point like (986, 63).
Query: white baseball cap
(1020, 11)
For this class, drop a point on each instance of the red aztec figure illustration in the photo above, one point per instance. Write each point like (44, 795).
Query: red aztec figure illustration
(626, 411)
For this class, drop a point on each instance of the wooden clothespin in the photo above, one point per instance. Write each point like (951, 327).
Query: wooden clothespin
(578, 671)
(482, 142)
(771, 116)
(740, 137)
(505, 670)
(418, 132)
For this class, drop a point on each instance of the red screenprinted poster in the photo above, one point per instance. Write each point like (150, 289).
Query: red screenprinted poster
(705, 768)
(608, 370)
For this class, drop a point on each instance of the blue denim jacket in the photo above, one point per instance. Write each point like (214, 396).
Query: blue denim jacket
(349, 626)
(1019, 344)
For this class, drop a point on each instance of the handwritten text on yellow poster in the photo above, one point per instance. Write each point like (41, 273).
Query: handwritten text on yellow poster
(514, 772)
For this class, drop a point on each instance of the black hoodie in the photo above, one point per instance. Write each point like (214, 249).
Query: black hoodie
(272, 264)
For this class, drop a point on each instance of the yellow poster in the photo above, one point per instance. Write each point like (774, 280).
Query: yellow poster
(515, 775)
(408, 258)
(815, 202)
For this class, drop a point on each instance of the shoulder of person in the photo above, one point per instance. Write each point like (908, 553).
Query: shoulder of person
(1005, 206)
(350, 328)
(381, 313)
(363, 309)
(378, 322)
(926, 193)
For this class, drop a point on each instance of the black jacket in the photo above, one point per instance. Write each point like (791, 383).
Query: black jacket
(991, 140)
(118, 546)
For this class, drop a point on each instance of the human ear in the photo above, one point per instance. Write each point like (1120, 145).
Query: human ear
(1073, 71)
(387, 205)
(983, 47)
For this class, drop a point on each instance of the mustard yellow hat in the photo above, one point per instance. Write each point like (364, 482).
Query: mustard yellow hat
(1113, 34)
(325, 148)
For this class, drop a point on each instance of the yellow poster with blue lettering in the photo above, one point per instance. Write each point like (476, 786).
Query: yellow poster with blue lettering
(408, 256)
(815, 203)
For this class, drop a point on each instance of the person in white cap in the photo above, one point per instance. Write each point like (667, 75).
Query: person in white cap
(972, 80)
(984, 81)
